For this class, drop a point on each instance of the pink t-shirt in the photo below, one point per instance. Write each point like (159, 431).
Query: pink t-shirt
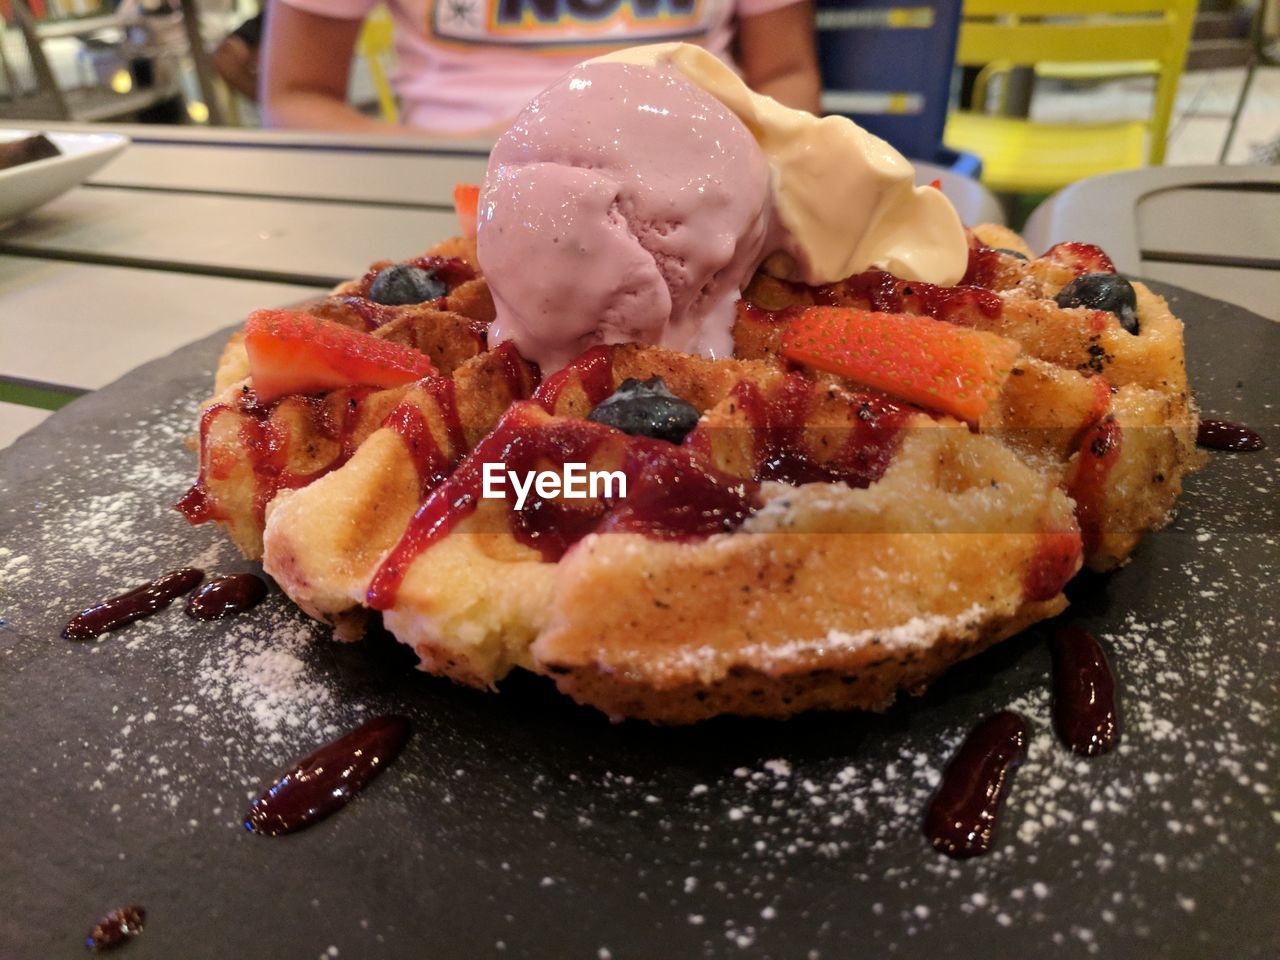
(469, 66)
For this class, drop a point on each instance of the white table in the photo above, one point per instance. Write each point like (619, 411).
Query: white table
(189, 230)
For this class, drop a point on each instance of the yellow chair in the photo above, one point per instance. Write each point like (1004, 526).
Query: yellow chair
(376, 47)
(1022, 156)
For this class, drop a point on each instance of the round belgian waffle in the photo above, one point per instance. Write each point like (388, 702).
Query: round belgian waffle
(811, 544)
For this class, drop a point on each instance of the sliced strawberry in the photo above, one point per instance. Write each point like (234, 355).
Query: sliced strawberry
(928, 362)
(292, 352)
(466, 200)
(1080, 257)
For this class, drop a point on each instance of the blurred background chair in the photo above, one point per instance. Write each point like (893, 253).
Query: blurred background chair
(889, 69)
(376, 47)
(1020, 155)
(1264, 50)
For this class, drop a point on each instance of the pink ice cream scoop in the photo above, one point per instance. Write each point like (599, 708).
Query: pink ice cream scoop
(625, 204)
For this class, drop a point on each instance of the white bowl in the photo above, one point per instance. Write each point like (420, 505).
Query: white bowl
(30, 185)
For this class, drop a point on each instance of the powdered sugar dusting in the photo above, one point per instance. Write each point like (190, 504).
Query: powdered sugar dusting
(257, 679)
(917, 633)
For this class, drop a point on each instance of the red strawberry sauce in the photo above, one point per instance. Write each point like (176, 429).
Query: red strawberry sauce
(1099, 451)
(591, 370)
(781, 450)
(266, 440)
(673, 492)
(431, 462)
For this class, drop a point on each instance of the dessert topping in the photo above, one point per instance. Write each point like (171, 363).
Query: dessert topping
(323, 782)
(1084, 693)
(142, 601)
(225, 596)
(962, 817)
(292, 352)
(927, 362)
(116, 928)
(405, 283)
(1103, 291)
(646, 409)
(466, 201)
(1225, 435)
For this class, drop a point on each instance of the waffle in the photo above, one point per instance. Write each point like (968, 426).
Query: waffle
(811, 544)
(249, 452)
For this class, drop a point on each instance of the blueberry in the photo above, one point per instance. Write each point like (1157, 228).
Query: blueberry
(404, 283)
(1103, 291)
(1011, 253)
(647, 409)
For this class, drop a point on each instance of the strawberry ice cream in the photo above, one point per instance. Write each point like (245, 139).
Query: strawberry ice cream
(634, 199)
(624, 204)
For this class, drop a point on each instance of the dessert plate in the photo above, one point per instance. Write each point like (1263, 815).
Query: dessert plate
(521, 826)
(30, 185)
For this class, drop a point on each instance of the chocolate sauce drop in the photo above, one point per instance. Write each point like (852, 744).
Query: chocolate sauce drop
(323, 782)
(226, 596)
(116, 612)
(1225, 435)
(116, 928)
(1084, 693)
(962, 817)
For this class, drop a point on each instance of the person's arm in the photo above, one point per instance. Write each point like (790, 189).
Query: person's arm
(306, 61)
(777, 52)
(237, 63)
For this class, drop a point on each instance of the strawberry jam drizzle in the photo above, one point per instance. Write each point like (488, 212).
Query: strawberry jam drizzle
(518, 443)
(984, 265)
(267, 443)
(1225, 435)
(375, 315)
(671, 494)
(1098, 455)
(591, 370)
(1084, 693)
(326, 780)
(408, 421)
(514, 368)
(1056, 560)
(885, 293)
(196, 504)
(781, 451)
(674, 494)
(758, 314)
(942, 303)
(265, 439)
(962, 817)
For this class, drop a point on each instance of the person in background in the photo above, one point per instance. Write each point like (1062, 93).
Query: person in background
(236, 57)
(467, 67)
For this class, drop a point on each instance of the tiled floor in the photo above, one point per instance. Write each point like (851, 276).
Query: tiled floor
(1201, 115)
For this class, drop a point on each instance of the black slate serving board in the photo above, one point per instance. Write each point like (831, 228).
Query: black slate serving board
(522, 826)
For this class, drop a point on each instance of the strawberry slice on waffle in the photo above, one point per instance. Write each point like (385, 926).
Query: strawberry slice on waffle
(291, 352)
